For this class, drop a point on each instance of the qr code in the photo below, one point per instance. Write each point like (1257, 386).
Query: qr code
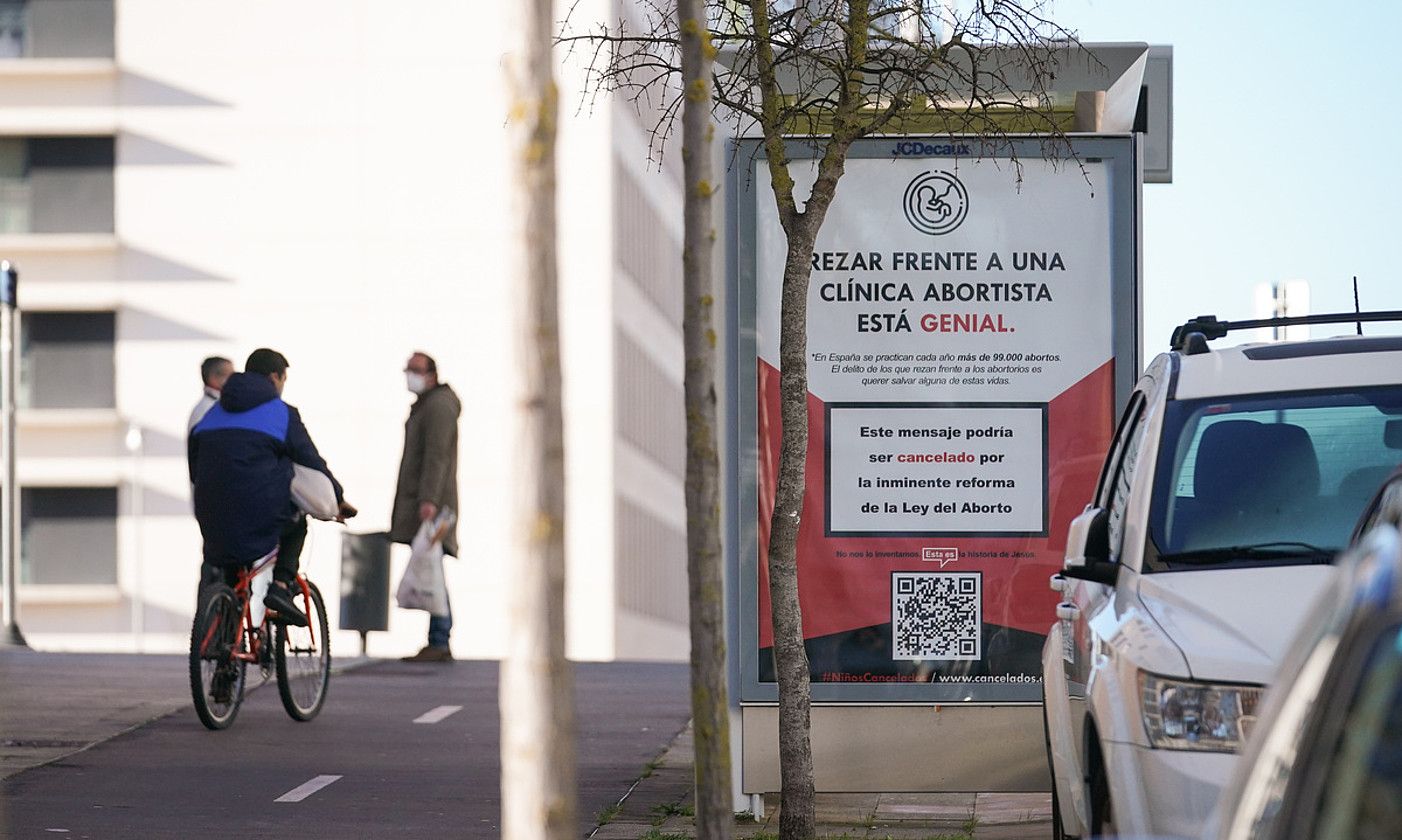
(936, 615)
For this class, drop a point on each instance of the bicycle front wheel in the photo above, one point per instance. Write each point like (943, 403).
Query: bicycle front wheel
(216, 677)
(304, 658)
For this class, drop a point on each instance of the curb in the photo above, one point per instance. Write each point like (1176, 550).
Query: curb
(666, 781)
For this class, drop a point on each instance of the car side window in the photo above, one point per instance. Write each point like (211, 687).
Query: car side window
(1121, 479)
(1117, 448)
(1386, 507)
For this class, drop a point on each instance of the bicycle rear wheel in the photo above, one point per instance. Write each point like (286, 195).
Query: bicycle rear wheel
(216, 677)
(304, 659)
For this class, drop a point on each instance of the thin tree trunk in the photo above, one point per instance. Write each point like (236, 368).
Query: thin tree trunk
(706, 590)
(537, 692)
(796, 805)
(797, 819)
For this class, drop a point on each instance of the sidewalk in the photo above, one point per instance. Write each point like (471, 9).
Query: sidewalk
(660, 807)
(53, 705)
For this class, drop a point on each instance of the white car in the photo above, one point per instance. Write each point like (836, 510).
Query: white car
(1234, 478)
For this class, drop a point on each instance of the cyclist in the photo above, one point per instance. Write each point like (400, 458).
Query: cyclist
(241, 456)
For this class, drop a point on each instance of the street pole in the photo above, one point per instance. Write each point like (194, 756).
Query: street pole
(10, 635)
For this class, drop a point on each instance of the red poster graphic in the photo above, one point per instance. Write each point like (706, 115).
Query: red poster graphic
(851, 618)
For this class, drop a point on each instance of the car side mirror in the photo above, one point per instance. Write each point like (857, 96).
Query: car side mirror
(1088, 548)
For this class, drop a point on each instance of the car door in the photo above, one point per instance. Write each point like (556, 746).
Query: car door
(1112, 494)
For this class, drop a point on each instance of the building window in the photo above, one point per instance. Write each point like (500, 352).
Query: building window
(56, 184)
(57, 29)
(67, 360)
(68, 535)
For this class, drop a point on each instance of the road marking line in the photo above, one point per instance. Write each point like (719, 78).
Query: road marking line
(437, 714)
(301, 792)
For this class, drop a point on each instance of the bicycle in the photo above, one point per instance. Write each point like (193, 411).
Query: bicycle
(224, 641)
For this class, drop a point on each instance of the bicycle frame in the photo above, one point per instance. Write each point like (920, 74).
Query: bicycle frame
(248, 646)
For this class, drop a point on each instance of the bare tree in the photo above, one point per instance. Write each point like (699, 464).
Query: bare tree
(537, 691)
(831, 71)
(710, 708)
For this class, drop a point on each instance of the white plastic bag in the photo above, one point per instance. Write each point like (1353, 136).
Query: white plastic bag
(313, 493)
(423, 586)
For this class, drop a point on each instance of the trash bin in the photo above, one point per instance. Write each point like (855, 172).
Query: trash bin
(365, 583)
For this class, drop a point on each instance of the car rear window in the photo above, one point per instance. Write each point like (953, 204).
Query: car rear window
(1280, 468)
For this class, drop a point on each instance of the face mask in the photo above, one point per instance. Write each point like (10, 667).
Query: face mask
(415, 382)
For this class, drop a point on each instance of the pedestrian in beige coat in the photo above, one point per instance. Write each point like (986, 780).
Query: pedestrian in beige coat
(428, 478)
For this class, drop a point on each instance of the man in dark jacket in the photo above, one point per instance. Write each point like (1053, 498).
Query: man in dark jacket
(241, 456)
(428, 478)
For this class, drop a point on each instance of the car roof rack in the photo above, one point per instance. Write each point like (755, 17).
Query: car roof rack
(1191, 338)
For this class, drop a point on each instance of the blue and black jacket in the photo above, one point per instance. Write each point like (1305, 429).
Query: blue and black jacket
(241, 457)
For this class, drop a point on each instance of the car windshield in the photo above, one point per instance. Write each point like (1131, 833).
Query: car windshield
(1271, 479)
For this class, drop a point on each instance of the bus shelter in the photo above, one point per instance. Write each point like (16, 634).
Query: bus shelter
(973, 327)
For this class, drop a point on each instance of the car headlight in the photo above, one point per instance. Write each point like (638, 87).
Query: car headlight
(1182, 715)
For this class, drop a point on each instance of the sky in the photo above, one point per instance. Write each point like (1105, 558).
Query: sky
(1283, 118)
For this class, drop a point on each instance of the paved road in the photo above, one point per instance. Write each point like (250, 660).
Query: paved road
(380, 773)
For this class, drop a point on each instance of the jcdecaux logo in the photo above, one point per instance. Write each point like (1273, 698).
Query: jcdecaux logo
(920, 147)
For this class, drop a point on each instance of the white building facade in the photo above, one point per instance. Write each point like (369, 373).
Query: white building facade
(327, 178)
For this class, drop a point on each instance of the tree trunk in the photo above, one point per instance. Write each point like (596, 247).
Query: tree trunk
(796, 790)
(706, 589)
(796, 805)
(797, 797)
(537, 692)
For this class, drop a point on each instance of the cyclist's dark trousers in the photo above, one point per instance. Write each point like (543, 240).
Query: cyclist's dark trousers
(211, 575)
(289, 548)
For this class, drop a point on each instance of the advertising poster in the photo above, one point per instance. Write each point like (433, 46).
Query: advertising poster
(961, 364)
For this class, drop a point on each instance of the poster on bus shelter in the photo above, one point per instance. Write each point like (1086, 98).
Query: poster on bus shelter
(961, 398)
